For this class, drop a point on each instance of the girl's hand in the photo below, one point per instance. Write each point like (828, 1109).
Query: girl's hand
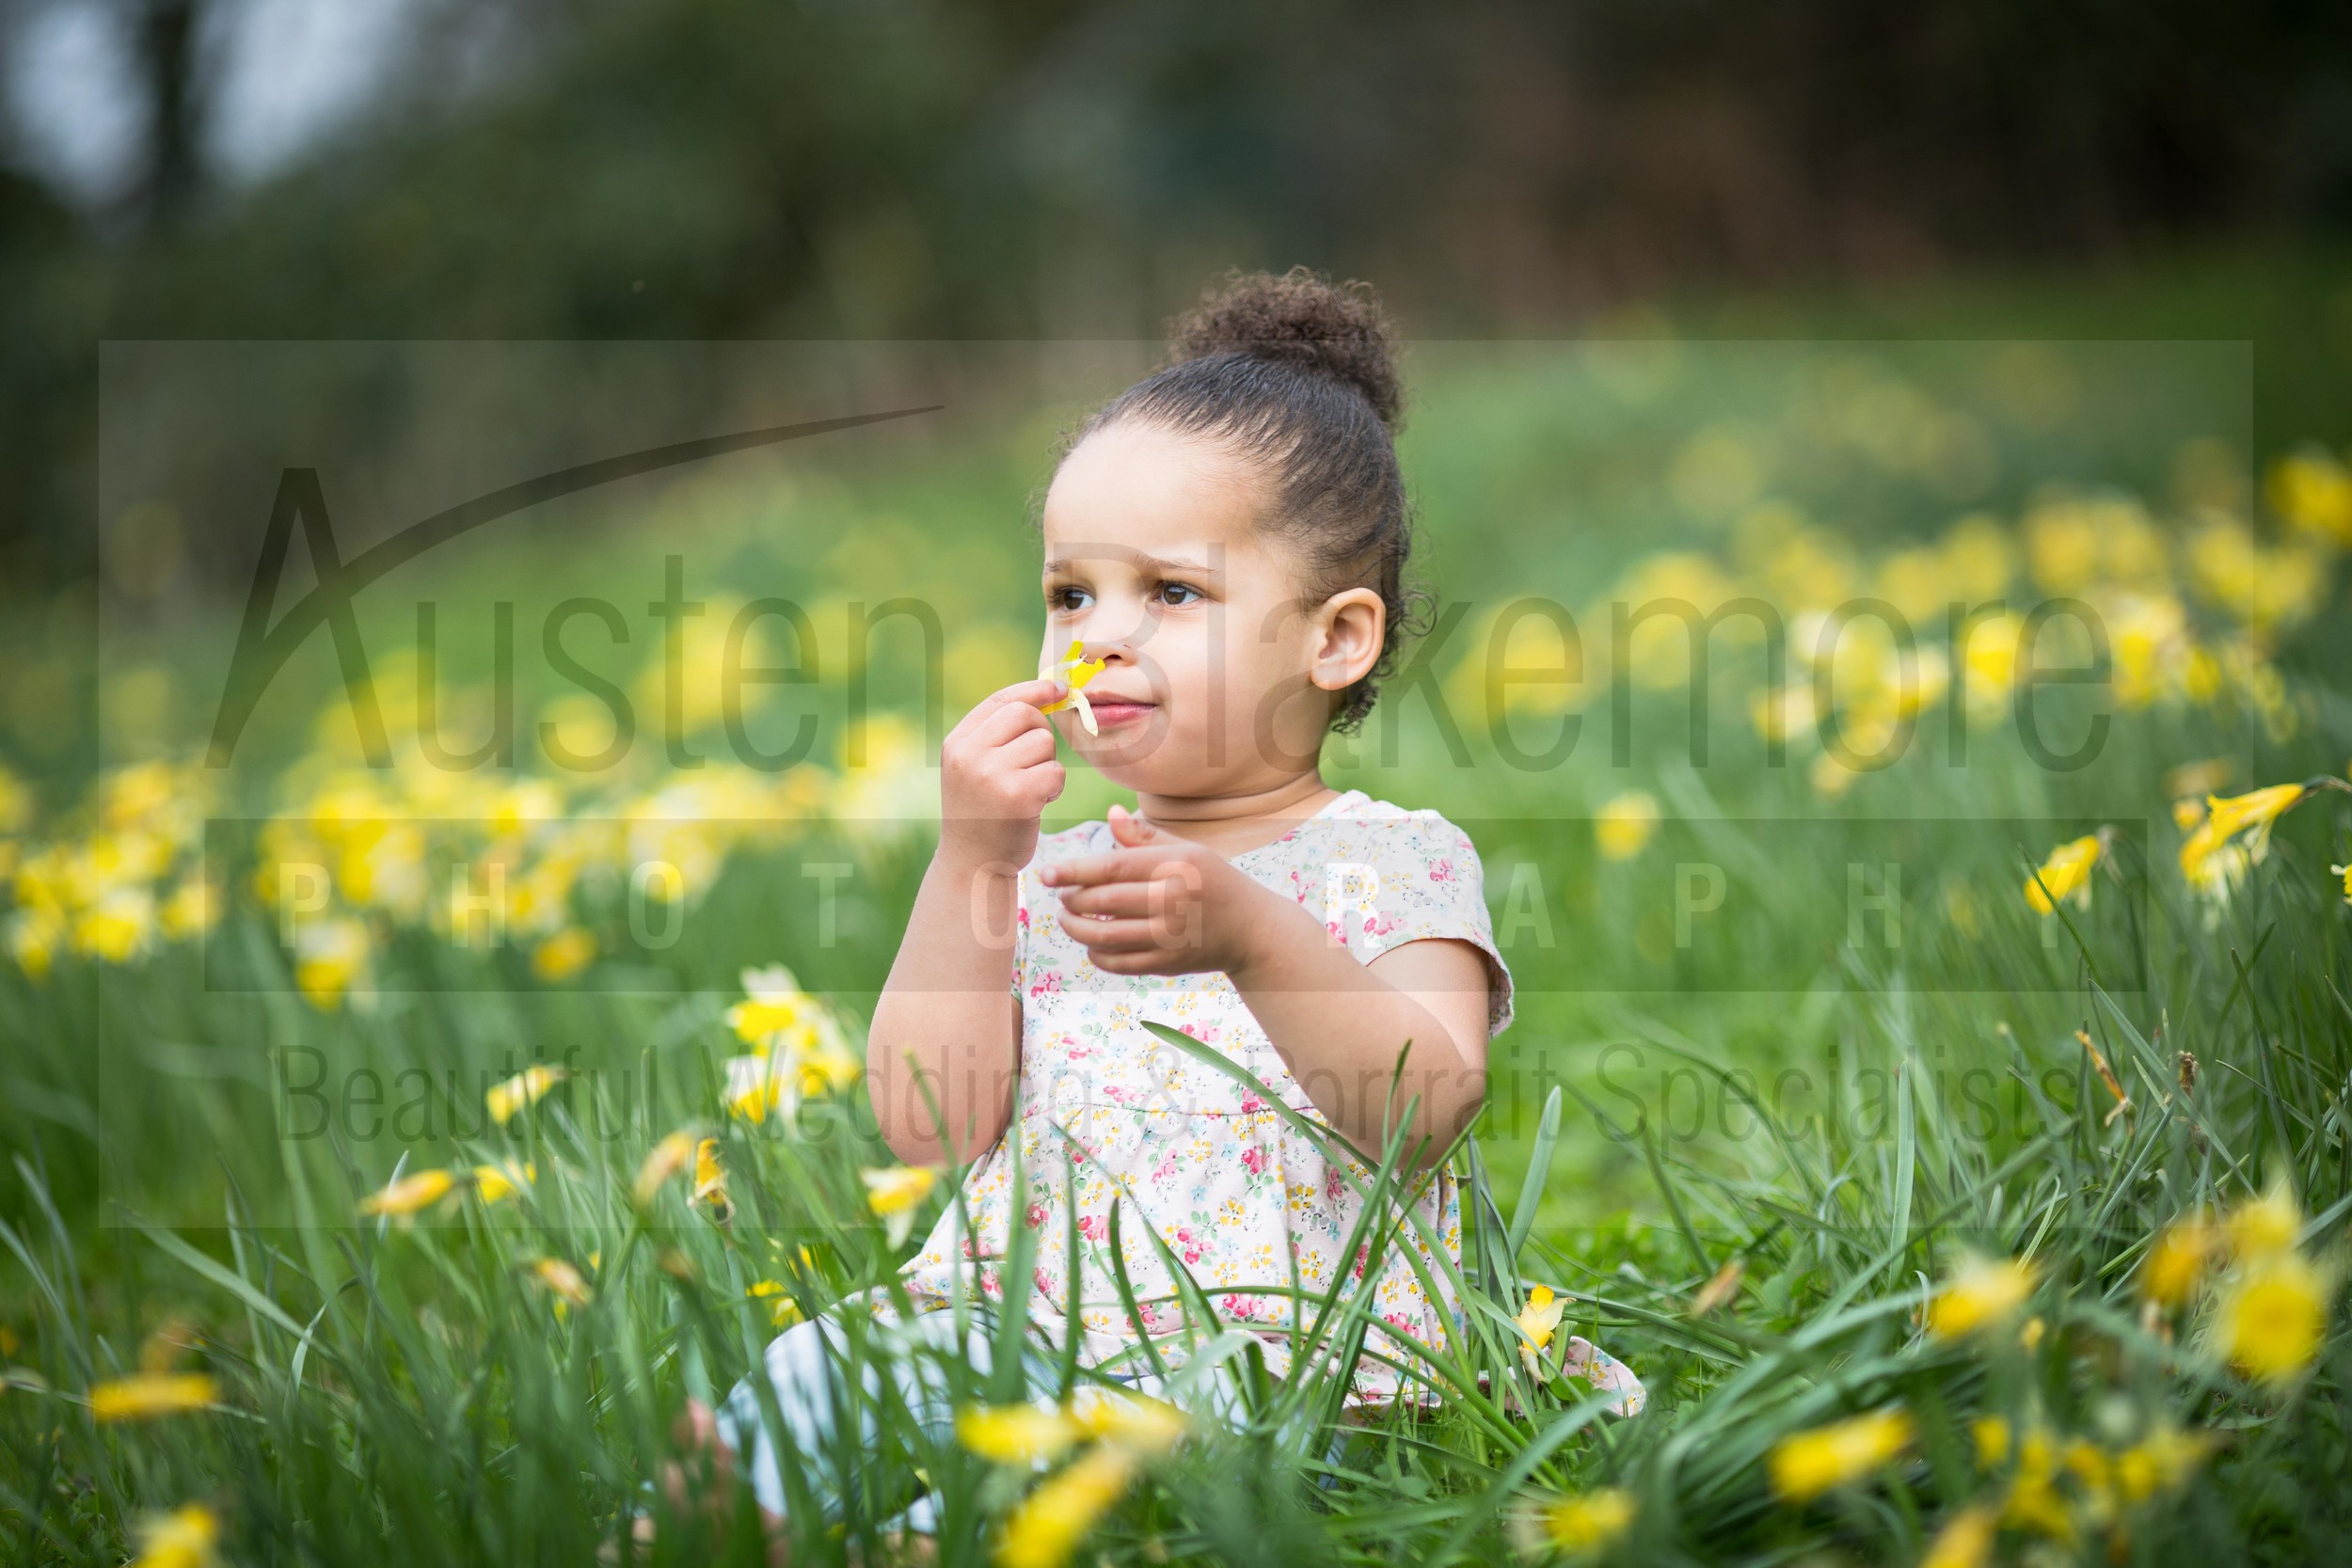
(996, 776)
(1159, 905)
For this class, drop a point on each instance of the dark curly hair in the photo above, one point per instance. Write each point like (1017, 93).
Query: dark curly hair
(1298, 375)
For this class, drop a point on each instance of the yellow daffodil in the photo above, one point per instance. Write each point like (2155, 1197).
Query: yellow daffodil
(2264, 1225)
(1808, 1464)
(411, 1195)
(193, 909)
(667, 1157)
(895, 1194)
(2253, 814)
(2176, 1260)
(1966, 1539)
(830, 1070)
(184, 1538)
(754, 1087)
(559, 958)
(782, 1311)
(1623, 828)
(1074, 672)
(1144, 1426)
(1539, 1320)
(2274, 1316)
(1018, 1434)
(493, 1182)
(1046, 1528)
(330, 957)
(710, 1182)
(144, 1395)
(1573, 1527)
(2065, 875)
(773, 1001)
(2344, 872)
(1984, 1291)
(565, 1282)
(521, 1092)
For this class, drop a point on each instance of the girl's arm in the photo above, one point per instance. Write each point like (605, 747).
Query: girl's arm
(1176, 908)
(946, 1022)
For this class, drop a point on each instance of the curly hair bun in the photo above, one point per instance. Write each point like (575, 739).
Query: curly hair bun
(1298, 318)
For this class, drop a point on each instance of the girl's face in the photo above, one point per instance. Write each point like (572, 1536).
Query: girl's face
(1218, 680)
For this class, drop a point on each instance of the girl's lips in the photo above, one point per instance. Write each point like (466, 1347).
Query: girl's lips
(1120, 711)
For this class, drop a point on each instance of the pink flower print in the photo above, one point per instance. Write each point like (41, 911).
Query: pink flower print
(1441, 872)
(1250, 1104)
(1237, 1307)
(1045, 1286)
(1364, 1254)
(1336, 931)
(1048, 982)
(1254, 1160)
(1190, 1244)
(1036, 1215)
(1092, 1228)
(1333, 1185)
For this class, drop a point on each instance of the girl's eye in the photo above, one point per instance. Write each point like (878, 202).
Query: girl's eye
(1066, 598)
(1168, 591)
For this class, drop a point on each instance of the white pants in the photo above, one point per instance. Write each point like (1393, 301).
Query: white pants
(926, 1363)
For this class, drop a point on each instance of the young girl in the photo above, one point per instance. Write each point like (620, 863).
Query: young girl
(1225, 546)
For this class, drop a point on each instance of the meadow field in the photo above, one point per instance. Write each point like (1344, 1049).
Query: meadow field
(1910, 781)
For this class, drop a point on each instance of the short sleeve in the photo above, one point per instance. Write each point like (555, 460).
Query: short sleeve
(1425, 882)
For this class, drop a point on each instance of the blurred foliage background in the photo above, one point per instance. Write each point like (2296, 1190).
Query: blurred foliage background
(700, 168)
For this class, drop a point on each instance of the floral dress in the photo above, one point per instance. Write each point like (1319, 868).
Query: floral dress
(1109, 1112)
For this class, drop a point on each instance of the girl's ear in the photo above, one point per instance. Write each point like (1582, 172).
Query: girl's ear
(1348, 631)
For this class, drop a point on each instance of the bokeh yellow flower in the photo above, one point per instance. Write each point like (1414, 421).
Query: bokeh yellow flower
(1966, 1539)
(895, 1194)
(1018, 1434)
(523, 1091)
(2176, 1260)
(1624, 827)
(1573, 1526)
(1046, 1528)
(2262, 1227)
(898, 1188)
(566, 954)
(663, 1161)
(503, 1181)
(2274, 1316)
(1990, 1433)
(1144, 1426)
(1808, 1464)
(1983, 1290)
(184, 1538)
(2065, 875)
(411, 1195)
(566, 1283)
(144, 1395)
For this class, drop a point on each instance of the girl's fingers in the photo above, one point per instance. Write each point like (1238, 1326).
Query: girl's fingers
(1118, 866)
(1124, 899)
(1028, 748)
(1114, 936)
(1020, 697)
